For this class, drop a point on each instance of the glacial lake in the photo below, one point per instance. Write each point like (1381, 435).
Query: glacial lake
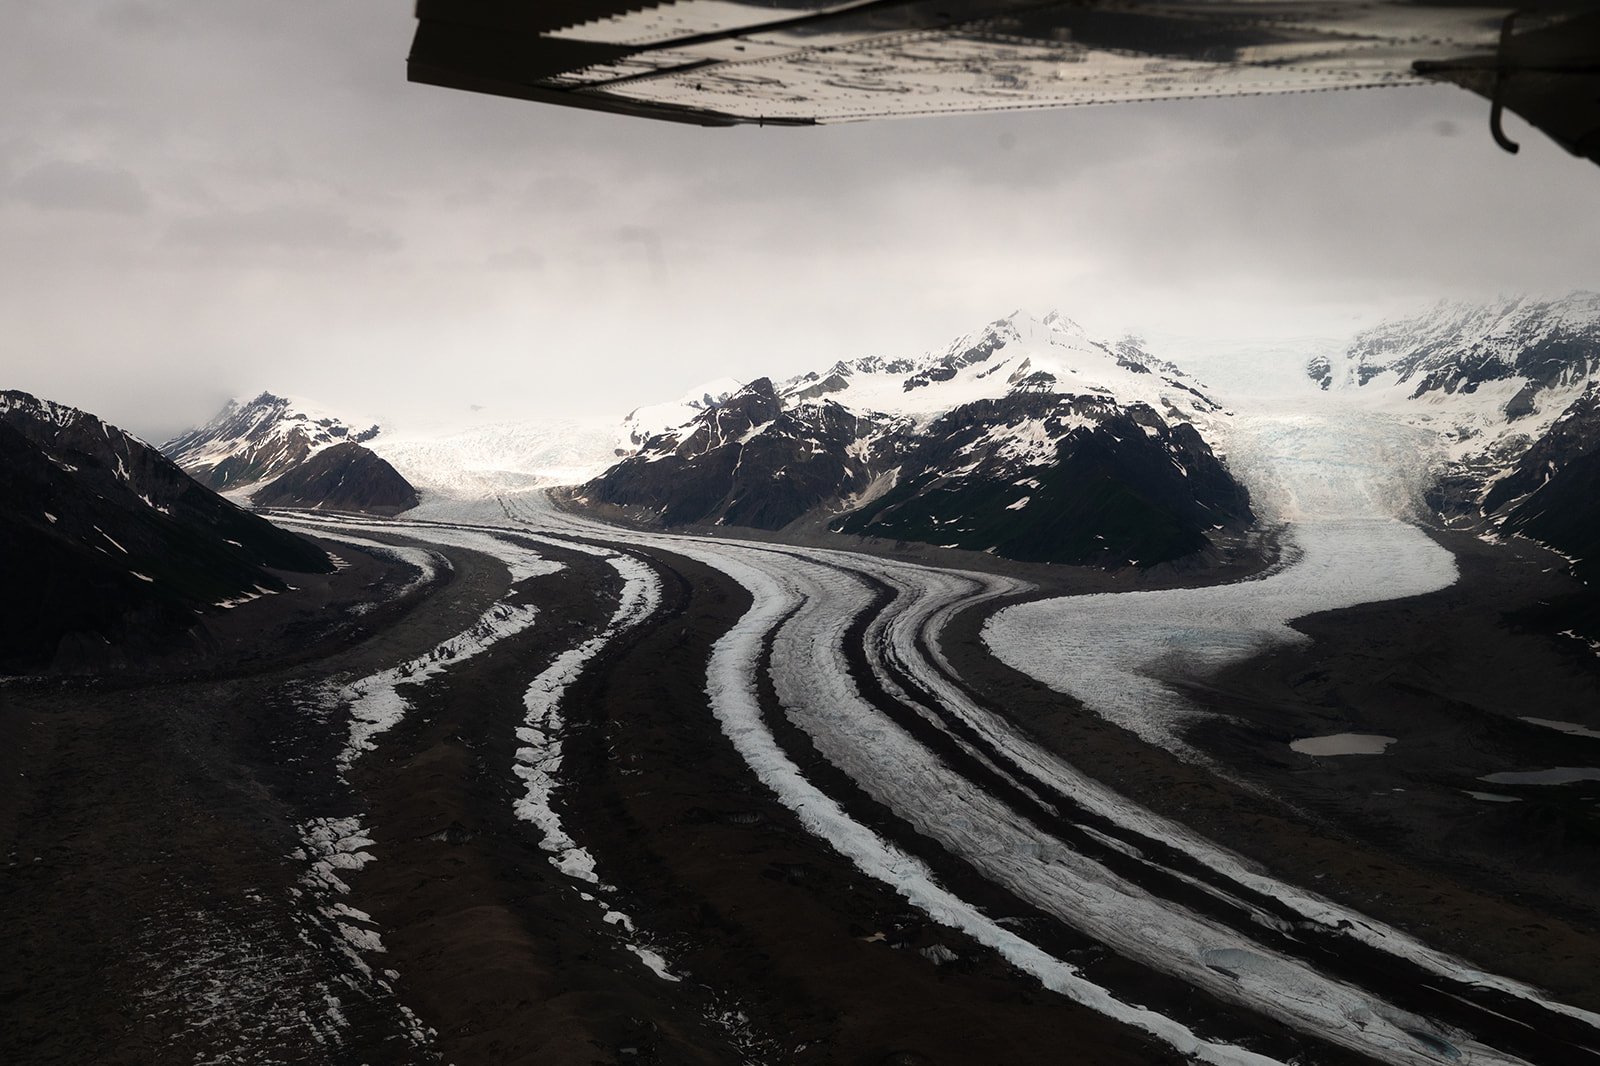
(1343, 744)
(1556, 775)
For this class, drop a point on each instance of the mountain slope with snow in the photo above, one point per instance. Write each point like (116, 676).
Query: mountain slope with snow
(110, 548)
(1553, 493)
(1026, 438)
(1058, 478)
(751, 460)
(1015, 354)
(257, 440)
(1509, 391)
(652, 420)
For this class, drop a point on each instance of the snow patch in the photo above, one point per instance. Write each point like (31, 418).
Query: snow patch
(376, 703)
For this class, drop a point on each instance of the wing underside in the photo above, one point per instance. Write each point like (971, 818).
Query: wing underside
(801, 62)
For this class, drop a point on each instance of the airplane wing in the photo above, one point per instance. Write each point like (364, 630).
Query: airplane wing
(802, 62)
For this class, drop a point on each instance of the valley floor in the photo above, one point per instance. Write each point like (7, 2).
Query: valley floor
(599, 795)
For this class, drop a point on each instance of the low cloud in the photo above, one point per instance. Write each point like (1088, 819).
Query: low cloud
(287, 228)
(519, 259)
(480, 242)
(63, 185)
(136, 17)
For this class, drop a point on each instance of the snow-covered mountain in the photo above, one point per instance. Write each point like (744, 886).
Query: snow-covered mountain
(1511, 366)
(1017, 354)
(1510, 390)
(277, 451)
(1027, 438)
(121, 549)
(642, 423)
(257, 440)
(751, 460)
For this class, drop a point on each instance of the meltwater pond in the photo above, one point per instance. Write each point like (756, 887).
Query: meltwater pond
(1343, 744)
(1337, 481)
(1556, 775)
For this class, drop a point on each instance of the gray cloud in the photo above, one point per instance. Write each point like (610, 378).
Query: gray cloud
(519, 259)
(71, 186)
(652, 252)
(137, 17)
(564, 262)
(291, 228)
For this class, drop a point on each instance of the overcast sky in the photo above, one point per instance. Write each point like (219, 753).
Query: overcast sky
(206, 199)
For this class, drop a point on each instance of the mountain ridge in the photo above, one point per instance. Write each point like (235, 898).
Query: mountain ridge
(933, 448)
(124, 550)
(277, 451)
(1509, 389)
(253, 441)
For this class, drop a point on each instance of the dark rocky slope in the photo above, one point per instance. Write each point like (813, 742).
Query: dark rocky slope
(744, 462)
(1106, 485)
(345, 477)
(1028, 439)
(110, 550)
(1553, 493)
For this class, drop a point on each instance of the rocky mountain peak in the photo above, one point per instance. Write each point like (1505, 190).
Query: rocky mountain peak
(248, 443)
(345, 477)
(643, 423)
(966, 445)
(1458, 347)
(23, 405)
(1508, 388)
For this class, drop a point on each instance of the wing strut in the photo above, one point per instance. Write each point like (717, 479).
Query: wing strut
(1502, 69)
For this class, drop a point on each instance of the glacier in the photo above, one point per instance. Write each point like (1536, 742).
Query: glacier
(1341, 488)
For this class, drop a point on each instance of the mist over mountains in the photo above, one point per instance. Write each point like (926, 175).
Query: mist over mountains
(1027, 438)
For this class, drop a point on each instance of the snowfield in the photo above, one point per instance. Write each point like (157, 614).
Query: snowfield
(1017, 347)
(483, 462)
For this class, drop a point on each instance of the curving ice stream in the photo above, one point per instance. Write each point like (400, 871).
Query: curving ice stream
(848, 646)
(1339, 483)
